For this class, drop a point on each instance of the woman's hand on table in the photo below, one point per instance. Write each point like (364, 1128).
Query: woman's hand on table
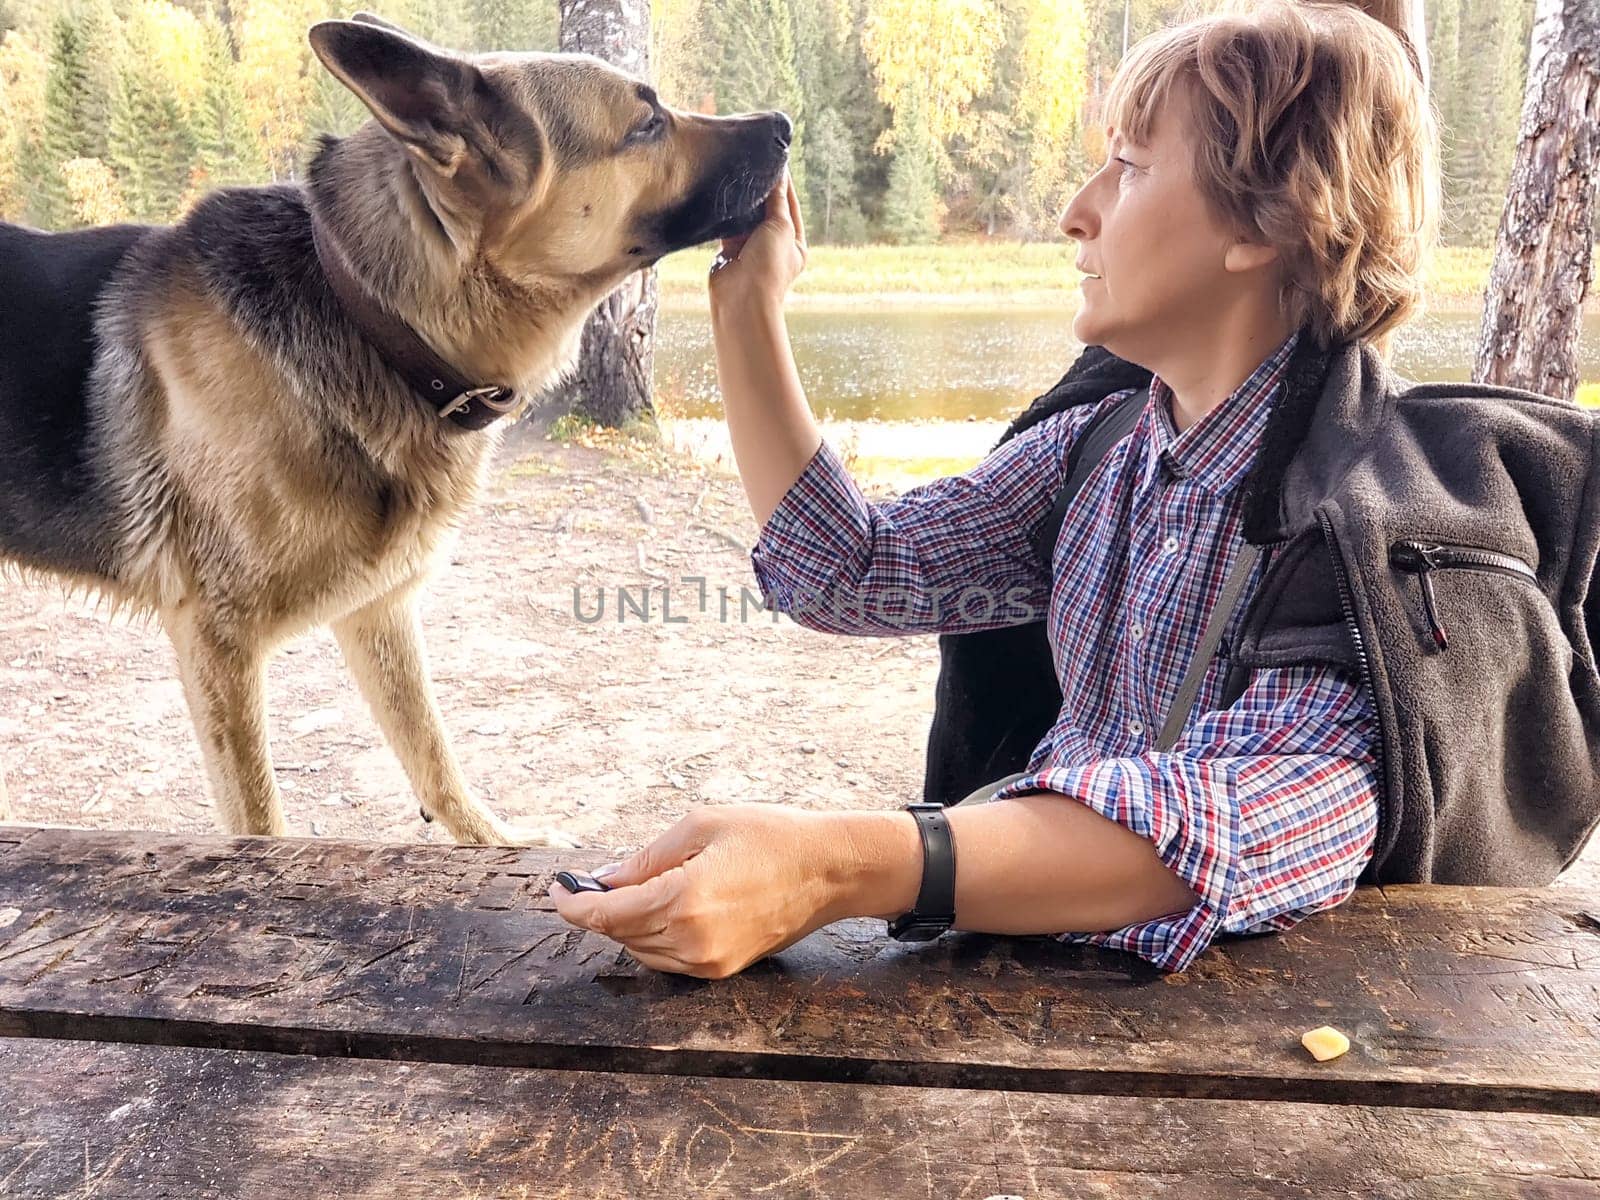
(724, 887)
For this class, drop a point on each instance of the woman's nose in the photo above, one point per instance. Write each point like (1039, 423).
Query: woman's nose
(1077, 220)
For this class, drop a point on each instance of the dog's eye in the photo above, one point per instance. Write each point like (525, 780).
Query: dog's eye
(649, 129)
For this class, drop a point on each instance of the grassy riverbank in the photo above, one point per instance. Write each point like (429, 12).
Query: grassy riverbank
(999, 274)
(956, 276)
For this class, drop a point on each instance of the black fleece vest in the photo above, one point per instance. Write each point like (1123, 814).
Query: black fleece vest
(1489, 755)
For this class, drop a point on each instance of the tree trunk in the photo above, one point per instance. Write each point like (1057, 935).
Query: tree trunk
(1543, 259)
(611, 385)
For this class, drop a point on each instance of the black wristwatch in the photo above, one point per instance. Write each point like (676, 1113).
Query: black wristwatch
(935, 909)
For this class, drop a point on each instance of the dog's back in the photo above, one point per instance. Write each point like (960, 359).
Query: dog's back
(52, 513)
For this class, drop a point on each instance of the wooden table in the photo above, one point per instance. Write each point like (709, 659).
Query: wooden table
(243, 1018)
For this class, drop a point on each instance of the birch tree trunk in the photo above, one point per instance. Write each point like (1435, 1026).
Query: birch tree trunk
(1543, 256)
(611, 385)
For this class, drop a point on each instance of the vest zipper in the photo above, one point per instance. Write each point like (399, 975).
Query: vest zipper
(1348, 605)
(1225, 646)
(1424, 557)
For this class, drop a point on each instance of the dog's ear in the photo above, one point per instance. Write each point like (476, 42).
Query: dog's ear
(429, 99)
(366, 18)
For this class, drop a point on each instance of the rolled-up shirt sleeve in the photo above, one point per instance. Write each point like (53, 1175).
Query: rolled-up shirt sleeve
(950, 556)
(1267, 809)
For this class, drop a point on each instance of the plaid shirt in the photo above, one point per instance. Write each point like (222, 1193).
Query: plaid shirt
(1268, 809)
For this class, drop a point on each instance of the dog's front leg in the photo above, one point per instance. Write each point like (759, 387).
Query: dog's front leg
(383, 645)
(224, 679)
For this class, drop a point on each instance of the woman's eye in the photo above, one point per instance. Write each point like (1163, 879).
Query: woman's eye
(1126, 165)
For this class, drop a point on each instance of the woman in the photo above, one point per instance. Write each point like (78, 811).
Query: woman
(1271, 178)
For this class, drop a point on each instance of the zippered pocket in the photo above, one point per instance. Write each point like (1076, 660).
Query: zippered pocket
(1424, 557)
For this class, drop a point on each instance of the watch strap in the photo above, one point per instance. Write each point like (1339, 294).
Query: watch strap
(935, 907)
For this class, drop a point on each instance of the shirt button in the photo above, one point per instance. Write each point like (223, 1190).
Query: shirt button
(1138, 630)
(1170, 545)
(1135, 727)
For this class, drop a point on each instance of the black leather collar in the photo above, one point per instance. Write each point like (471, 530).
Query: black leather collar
(466, 405)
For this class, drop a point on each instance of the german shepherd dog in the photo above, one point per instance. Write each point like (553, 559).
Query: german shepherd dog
(215, 424)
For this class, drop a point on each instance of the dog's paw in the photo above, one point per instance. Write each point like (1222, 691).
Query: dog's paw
(481, 828)
(537, 835)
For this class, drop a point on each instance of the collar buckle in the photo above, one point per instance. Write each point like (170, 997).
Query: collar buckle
(497, 399)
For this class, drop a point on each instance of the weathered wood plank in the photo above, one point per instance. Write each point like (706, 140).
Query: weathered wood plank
(1471, 998)
(138, 1122)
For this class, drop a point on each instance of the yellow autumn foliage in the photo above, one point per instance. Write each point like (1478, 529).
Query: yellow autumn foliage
(940, 50)
(23, 67)
(175, 42)
(275, 65)
(1054, 90)
(93, 191)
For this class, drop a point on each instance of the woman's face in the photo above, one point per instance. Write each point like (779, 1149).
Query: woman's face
(1166, 272)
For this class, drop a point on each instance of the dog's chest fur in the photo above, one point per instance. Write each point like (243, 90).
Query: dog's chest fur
(332, 503)
(255, 451)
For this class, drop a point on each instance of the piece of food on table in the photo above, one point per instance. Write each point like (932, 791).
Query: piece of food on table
(1325, 1043)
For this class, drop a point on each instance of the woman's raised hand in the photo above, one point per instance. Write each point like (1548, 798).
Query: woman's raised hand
(759, 267)
(770, 424)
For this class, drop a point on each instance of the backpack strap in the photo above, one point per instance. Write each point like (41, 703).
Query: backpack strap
(1104, 432)
(1215, 623)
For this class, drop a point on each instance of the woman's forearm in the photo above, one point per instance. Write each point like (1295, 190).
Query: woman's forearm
(770, 424)
(1036, 864)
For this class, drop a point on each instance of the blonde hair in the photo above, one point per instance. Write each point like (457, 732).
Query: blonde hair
(1312, 132)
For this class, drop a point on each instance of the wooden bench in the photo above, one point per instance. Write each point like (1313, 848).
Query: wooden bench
(243, 1018)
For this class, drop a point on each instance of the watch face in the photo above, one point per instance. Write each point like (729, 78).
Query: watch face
(919, 931)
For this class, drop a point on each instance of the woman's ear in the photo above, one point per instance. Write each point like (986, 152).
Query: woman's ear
(1244, 256)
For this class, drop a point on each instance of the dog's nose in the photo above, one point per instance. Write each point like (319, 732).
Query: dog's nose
(783, 129)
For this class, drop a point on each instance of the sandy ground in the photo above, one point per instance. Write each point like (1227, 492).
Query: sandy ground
(609, 729)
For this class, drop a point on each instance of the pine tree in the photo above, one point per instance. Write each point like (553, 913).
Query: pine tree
(911, 211)
(756, 56)
(854, 95)
(513, 24)
(227, 152)
(1479, 50)
(153, 142)
(71, 112)
(990, 184)
(831, 164)
(1502, 107)
(33, 175)
(834, 74)
(757, 71)
(443, 22)
(105, 47)
(334, 108)
(1533, 319)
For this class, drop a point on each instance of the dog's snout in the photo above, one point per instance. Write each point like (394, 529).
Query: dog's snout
(783, 129)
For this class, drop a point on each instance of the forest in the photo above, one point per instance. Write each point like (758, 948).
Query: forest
(916, 120)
